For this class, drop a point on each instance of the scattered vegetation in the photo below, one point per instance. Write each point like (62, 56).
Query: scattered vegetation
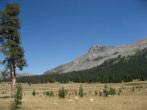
(107, 91)
(95, 93)
(81, 91)
(62, 93)
(43, 101)
(34, 93)
(119, 91)
(49, 93)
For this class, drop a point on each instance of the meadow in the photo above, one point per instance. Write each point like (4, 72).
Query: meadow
(133, 96)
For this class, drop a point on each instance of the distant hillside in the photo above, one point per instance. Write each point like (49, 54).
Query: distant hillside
(121, 68)
(4, 76)
(97, 55)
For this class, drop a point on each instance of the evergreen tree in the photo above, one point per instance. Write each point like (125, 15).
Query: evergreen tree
(10, 42)
(18, 95)
(62, 93)
(81, 91)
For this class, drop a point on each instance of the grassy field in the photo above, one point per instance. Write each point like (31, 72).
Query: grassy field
(132, 97)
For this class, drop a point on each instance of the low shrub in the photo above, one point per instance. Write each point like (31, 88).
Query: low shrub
(95, 93)
(52, 94)
(81, 91)
(62, 93)
(49, 93)
(34, 93)
(119, 91)
(107, 91)
(112, 91)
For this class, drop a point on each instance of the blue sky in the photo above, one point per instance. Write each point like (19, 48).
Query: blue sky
(55, 32)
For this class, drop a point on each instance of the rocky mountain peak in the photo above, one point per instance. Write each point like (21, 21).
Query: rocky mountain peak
(97, 48)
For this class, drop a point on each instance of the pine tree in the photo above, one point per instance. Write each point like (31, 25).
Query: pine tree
(81, 91)
(18, 95)
(10, 41)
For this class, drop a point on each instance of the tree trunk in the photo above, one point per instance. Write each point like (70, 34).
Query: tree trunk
(13, 82)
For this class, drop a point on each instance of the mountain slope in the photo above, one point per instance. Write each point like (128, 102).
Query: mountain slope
(97, 55)
(114, 70)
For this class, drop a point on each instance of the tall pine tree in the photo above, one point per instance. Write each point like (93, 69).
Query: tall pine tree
(10, 42)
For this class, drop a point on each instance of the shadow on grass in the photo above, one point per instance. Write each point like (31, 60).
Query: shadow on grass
(4, 97)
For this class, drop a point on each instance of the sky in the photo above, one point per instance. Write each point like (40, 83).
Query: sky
(55, 32)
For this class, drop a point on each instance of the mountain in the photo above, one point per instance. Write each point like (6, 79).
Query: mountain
(97, 55)
(114, 70)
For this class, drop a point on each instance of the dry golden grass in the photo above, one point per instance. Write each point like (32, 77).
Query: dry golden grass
(127, 100)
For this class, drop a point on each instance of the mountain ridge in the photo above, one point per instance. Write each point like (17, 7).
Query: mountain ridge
(97, 55)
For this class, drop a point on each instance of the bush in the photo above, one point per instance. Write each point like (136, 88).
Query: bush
(47, 93)
(81, 91)
(95, 93)
(112, 91)
(18, 95)
(105, 90)
(108, 91)
(62, 93)
(34, 93)
(119, 91)
(51, 93)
